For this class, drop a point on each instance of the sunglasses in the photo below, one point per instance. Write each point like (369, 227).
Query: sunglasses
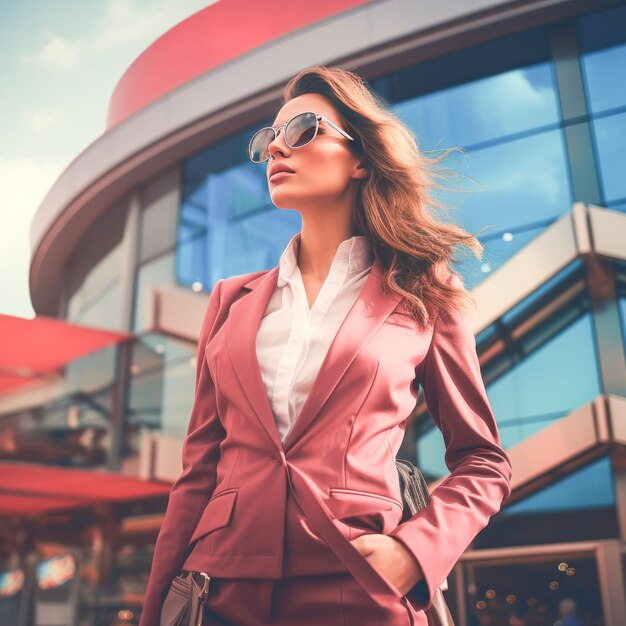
(300, 130)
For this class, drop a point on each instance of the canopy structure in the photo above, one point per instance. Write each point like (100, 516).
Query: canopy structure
(38, 347)
(27, 489)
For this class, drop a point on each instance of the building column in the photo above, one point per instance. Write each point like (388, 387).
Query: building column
(612, 586)
(130, 255)
(579, 144)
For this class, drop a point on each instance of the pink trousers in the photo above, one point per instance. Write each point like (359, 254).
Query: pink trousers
(330, 599)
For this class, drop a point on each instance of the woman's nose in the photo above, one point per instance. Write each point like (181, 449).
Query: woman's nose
(278, 144)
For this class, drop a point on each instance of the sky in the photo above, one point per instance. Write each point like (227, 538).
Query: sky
(60, 62)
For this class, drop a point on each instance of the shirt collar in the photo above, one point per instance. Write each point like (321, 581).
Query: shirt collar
(355, 254)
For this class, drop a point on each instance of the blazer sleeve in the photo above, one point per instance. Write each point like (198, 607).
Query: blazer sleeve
(194, 486)
(480, 479)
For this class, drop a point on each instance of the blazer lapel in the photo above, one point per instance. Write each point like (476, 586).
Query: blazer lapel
(244, 319)
(368, 313)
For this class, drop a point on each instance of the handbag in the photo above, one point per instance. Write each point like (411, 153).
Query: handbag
(415, 497)
(184, 603)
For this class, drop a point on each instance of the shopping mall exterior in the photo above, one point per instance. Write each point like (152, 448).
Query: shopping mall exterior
(140, 226)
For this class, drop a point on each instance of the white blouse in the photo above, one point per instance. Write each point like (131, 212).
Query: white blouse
(293, 339)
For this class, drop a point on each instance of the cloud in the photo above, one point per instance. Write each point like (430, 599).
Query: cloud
(40, 121)
(123, 22)
(23, 185)
(59, 53)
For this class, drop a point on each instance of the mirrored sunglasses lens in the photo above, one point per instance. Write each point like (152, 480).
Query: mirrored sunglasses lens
(301, 130)
(259, 145)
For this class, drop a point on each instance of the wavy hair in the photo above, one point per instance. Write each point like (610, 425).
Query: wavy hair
(394, 207)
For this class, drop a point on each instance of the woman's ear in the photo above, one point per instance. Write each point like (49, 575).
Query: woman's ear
(361, 169)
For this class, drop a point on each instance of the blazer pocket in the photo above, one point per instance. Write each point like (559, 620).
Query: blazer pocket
(345, 502)
(217, 513)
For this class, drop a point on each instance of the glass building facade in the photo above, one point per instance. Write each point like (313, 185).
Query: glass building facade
(540, 117)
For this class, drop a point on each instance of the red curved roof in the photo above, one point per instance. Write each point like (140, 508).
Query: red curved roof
(207, 39)
(31, 489)
(32, 348)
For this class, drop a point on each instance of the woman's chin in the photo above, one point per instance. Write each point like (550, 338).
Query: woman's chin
(282, 199)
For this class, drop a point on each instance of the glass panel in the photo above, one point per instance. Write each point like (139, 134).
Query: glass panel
(562, 374)
(603, 46)
(522, 49)
(431, 449)
(94, 273)
(68, 423)
(71, 431)
(602, 41)
(523, 187)
(588, 488)
(522, 183)
(609, 134)
(499, 102)
(154, 275)
(484, 110)
(163, 384)
(228, 224)
(103, 310)
(258, 240)
(538, 590)
(579, 506)
(159, 200)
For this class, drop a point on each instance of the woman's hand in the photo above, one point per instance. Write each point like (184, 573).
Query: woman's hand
(389, 556)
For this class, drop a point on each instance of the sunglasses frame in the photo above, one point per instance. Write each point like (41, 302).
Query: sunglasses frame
(318, 119)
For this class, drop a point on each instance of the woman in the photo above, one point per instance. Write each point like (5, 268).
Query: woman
(306, 375)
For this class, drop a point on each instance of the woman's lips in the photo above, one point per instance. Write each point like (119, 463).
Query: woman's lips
(279, 176)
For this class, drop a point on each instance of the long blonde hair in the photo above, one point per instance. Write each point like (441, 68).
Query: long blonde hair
(393, 202)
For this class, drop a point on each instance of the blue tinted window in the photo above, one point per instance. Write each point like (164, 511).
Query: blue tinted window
(610, 138)
(601, 68)
(548, 384)
(522, 182)
(228, 225)
(523, 186)
(523, 49)
(588, 488)
(484, 110)
(603, 46)
(509, 126)
(431, 449)
(603, 59)
(557, 378)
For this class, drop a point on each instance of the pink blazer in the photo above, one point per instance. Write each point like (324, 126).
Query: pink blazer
(232, 504)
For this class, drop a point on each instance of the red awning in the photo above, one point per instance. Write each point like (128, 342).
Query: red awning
(34, 348)
(29, 489)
